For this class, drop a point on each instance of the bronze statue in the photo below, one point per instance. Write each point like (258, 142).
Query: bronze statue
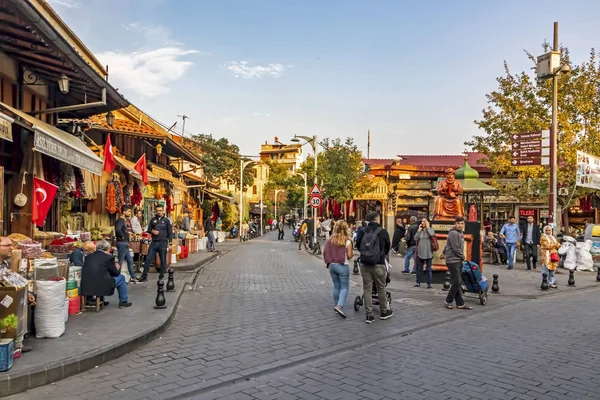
(448, 203)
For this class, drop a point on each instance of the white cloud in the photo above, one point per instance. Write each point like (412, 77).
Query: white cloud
(64, 3)
(241, 69)
(147, 73)
(155, 35)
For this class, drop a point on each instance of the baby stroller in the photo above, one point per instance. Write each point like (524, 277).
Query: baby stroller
(474, 281)
(359, 300)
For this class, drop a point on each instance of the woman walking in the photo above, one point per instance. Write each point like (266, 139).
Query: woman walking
(424, 251)
(549, 248)
(338, 249)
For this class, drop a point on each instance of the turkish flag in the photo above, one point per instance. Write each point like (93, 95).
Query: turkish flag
(109, 157)
(43, 196)
(141, 167)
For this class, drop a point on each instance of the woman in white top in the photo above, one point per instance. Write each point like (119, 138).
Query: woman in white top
(338, 250)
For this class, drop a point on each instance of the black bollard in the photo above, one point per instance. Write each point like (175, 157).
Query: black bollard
(545, 285)
(598, 276)
(446, 286)
(495, 287)
(571, 281)
(355, 270)
(160, 296)
(171, 281)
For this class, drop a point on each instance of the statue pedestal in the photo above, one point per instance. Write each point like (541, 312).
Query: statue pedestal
(472, 248)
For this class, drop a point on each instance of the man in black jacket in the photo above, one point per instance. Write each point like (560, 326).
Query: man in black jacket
(399, 234)
(454, 254)
(100, 276)
(210, 234)
(122, 230)
(374, 273)
(531, 240)
(411, 244)
(162, 235)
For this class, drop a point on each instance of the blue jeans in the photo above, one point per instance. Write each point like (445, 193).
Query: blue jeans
(340, 275)
(410, 252)
(121, 286)
(161, 248)
(511, 248)
(212, 244)
(124, 254)
(420, 263)
(550, 273)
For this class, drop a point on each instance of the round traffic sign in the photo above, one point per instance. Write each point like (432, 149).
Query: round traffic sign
(315, 202)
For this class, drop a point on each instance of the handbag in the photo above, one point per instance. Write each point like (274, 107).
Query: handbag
(554, 257)
(435, 246)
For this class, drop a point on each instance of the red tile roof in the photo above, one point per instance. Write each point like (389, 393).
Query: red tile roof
(433, 160)
(123, 125)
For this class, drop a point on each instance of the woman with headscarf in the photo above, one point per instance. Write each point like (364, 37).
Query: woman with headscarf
(549, 245)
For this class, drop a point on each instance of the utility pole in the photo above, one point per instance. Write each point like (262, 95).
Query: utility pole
(554, 218)
(369, 144)
(184, 117)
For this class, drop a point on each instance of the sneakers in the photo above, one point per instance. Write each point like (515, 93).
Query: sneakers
(429, 287)
(142, 280)
(386, 315)
(417, 285)
(413, 272)
(125, 304)
(406, 272)
(370, 319)
(340, 311)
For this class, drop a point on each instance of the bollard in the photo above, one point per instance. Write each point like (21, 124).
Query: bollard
(495, 287)
(446, 286)
(355, 270)
(160, 296)
(598, 276)
(545, 285)
(171, 281)
(571, 281)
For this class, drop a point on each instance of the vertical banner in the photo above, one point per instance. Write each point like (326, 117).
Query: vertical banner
(588, 171)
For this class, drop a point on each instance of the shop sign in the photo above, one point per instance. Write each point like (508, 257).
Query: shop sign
(52, 147)
(526, 212)
(5, 129)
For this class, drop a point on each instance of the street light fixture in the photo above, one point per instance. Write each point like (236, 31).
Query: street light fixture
(313, 142)
(304, 175)
(243, 164)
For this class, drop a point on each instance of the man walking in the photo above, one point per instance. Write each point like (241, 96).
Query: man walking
(162, 236)
(373, 242)
(511, 233)
(411, 236)
(311, 232)
(455, 256)
(122, 231)
(303, 230)
(531, 241)
(210, 234)
(280, 226)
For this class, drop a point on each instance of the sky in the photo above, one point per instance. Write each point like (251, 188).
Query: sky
(414, 73)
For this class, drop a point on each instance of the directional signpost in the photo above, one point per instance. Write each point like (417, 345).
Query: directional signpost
(530, 148)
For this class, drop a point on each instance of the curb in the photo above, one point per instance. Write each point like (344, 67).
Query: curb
(53, 372)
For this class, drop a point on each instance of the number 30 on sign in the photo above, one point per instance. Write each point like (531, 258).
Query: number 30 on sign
(315, 202)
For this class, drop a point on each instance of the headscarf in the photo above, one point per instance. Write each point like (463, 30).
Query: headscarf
(551, 230)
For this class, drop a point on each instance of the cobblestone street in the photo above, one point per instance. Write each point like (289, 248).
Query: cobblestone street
(259, 324)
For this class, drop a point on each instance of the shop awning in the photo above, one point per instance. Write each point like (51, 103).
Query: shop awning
(219, 196)
(166, 175)
(129, 165)
(57, 143)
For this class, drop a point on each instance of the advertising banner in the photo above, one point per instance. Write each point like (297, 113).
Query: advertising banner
(588, 171)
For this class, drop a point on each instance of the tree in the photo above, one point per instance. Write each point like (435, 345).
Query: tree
(280, 177)
(222, 160)
(522, 103)
(340, 169)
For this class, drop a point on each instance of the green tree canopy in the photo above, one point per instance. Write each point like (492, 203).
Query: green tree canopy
(222, 160)
(522, 103)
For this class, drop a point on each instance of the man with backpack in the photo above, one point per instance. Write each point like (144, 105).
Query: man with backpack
(373, 242)
(411, 243)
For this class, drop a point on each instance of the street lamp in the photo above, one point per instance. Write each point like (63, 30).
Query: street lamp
(303, 174)
(313, 142)
(277, 191)
(243, 164)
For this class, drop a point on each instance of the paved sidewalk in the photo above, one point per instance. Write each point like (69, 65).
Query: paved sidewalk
(94, 338)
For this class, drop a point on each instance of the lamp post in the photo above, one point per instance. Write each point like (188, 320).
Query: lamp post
(277, 191)
(243, 164)
(313, 142)
(261, 207)
(304, 175)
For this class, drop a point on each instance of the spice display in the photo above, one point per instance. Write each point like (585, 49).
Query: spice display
(111, 198)
(85, 236)
(65, 245)
(67, 181)
(46, 254)
(17, 238)
(30, 249)
(127, 193)
(136, 197)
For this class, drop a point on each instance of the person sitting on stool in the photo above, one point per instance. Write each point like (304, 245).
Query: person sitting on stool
(100, 275)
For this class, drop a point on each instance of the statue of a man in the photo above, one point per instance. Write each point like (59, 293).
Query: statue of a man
(449, 204)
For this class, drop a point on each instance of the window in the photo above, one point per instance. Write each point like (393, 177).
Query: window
(254, 191)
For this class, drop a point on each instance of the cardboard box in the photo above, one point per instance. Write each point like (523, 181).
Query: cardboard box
(13, 311)
(6, 354)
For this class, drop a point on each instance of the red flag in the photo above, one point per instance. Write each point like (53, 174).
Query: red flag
(141, 167)
(109, 157)
(43, 196)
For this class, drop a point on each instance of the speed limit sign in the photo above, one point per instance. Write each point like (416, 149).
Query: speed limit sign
(315, 202)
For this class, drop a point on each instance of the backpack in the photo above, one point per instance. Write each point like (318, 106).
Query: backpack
(370, 250)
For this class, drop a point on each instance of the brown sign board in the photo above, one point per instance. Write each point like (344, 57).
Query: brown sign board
(519, 162)
(527, 153)
(526, 136)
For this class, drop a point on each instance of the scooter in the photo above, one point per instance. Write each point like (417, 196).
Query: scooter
(296, 234)
(234, 232)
